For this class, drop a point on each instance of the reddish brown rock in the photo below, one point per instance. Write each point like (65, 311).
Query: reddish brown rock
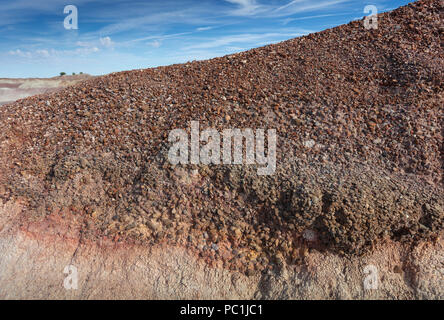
(86, 180)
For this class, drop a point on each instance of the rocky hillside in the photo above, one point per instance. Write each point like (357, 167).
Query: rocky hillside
(359, 120)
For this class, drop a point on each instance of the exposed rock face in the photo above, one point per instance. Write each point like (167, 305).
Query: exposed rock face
(34, 259)
(85, 178)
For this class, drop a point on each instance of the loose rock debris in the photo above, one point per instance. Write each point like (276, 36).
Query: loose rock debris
(358, 114)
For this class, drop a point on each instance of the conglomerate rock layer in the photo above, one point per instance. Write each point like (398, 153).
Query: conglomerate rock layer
(358, 115)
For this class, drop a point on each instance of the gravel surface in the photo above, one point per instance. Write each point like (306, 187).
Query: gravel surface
(358, 114)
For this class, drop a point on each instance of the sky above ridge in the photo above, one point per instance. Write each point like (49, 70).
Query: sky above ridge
(123, 35)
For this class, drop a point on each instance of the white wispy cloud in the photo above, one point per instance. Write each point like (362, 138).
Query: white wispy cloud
(204, 28)
(52, 53)
(253, 8)
(244, 39)
(20, 53)
(155, 43)
(159, 37)
(106, 42)
(288, 20)
(153, 21)
(298, 6)
(246, 7)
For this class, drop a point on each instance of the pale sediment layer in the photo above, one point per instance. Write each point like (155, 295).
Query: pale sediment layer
(14, 89)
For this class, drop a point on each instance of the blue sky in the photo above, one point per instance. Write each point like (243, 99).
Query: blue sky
(123, 35)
